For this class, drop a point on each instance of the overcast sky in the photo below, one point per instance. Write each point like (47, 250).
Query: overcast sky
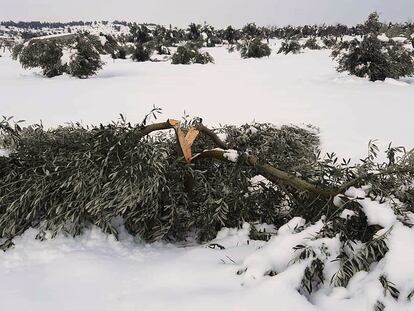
(215, 12)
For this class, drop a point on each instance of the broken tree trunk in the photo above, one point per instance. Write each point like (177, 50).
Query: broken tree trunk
(186, 140)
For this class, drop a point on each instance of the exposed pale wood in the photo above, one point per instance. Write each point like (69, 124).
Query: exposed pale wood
(183, 144)
(191, 135)
(187, 143)
(173, 122)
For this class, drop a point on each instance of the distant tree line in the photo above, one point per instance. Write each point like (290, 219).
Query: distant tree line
(364, 50)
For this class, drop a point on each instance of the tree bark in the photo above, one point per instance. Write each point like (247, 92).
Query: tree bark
(271, 173)
(266, 170)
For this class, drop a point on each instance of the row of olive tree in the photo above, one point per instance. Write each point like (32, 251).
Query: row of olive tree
(370, 56)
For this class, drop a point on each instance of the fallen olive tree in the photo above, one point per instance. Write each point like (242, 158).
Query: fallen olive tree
(194, 182)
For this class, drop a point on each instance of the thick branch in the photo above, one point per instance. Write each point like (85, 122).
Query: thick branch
(169, 124)
(266, 170)
(273, 174)
(212, 135)
(269, 172)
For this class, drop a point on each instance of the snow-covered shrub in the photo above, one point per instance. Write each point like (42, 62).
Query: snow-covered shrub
(86, 60)
(231, 35)
(139, 34)
(374, 59)
(161, 36)
(329, 42)
(254, 48)
(251, 31)
(163, 50)
(290, 46)
(122, 53)
(93, 175)
(357, 233)
(312, 44)
(16, 51)
(45, 54)
(109, 44)
(194, 32)
(231, 48)
(142, 53)
(68, 178)
(97, 42)
(372, 25)
(190, 54)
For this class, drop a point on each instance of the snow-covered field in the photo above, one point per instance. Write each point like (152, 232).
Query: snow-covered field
(298, 89)
(95, 272)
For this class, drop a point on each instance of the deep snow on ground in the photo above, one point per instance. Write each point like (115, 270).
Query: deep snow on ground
(96, 272)
(282, 89)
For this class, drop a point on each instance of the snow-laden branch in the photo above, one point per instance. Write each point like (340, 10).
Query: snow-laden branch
(224, 154)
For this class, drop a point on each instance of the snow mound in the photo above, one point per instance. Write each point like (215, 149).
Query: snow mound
(96, 272)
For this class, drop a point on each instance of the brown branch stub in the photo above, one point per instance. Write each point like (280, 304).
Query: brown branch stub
(185, 141)
(146, 130)
(173, 123)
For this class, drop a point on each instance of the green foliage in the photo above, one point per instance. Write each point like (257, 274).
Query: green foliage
(45, 54)
(372, 25)
(312, 44)
(139, 34)
(66, 179)
(93, 40)
(230, 34)
(372, 251)
(379, 306)
(251, 31)
(111, 45)
(313, 276)
(163, 50)
(121, 53)
(254, 48)
(291, 46)
(389, 287)
(194, 32)
(360, 244)
(86, 61)
(211, 38)
(190, 54)
(17, 50)
(374, 58)
(142, 53)
(329, 42)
